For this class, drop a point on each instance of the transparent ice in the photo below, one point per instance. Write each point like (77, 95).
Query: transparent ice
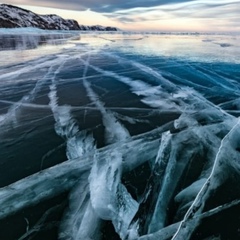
(151, 137)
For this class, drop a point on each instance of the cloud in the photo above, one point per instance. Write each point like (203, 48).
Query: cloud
(105, 6)
(195, 10)
(208, 10)
(125, 19)
(117, 5)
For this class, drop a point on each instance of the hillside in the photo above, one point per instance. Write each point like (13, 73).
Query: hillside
(15, 17)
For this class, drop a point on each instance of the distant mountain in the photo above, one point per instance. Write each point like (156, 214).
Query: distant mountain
(15, 17)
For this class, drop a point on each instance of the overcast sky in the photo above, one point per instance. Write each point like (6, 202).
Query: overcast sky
(152, 15)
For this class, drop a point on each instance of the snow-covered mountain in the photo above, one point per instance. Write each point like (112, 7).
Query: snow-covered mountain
(15, 17)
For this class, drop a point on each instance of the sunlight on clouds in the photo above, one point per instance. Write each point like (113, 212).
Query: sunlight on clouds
(191, 16)
(168, 25)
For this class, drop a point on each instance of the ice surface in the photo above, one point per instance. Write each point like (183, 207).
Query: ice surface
(30, 38)
(114, 131)
(180, 173)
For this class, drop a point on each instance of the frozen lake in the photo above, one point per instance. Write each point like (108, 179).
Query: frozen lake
(119, 136)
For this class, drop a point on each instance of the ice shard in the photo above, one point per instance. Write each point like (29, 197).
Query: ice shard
(227, 156)
(109, 197)
(80, 220)
(48, 183)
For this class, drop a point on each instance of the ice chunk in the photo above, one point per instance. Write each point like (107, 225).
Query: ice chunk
(188, 194)
(104, 180)
(110, 199)
(229, 149)
(185, 121)
(185, 147)
(80, 220)
(79, 145)
(40, 186)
